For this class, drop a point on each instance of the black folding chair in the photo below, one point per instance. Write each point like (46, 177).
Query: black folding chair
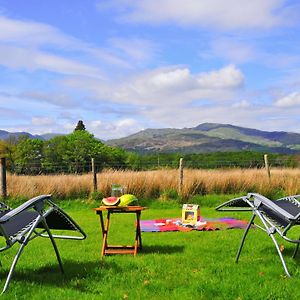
(277, 216)
(36, 217)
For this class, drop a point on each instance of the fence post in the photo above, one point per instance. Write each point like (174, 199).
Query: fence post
(94, 175)
(267, 166)
(3, 190)
(180, 186)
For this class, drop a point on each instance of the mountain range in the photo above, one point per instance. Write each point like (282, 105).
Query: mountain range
(5, 135)
(209, 137)
(206, 137)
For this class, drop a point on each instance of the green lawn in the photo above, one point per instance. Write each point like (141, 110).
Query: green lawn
(174, 265)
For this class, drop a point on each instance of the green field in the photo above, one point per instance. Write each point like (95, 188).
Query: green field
(174, 265)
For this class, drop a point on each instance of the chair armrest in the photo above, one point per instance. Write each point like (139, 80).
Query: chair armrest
(270, 204)
(25, 206)
(236, 204)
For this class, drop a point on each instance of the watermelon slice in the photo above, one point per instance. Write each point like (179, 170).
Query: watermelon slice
(110, 201)
(127, 199)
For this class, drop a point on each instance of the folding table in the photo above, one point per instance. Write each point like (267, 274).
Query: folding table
(117, 249)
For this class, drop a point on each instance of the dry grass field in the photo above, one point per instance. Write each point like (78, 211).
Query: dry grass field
(151, 184)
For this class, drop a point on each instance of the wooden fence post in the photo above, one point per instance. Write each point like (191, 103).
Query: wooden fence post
(94, 176)
(267, 166)
(180, 186)
(3, 187)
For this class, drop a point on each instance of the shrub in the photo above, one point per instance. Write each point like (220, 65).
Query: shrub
(168, 194)
(96, 196)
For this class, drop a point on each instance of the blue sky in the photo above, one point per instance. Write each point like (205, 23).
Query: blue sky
(125, 65)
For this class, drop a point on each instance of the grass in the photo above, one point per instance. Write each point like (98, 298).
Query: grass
(172, 265)
(153, 184)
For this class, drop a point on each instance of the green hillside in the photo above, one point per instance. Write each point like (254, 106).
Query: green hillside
(209, 137)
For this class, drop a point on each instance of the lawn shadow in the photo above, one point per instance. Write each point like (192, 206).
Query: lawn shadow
(78, 275)
(287, 251)
(162, 249)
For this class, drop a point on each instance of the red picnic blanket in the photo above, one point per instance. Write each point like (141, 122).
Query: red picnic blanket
(174, 224)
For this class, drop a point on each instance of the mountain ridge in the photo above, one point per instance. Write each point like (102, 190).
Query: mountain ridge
(205, 137)
(6, 135)
(209, 137)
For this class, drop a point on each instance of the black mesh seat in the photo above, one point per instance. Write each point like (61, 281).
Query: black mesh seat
(277, 217)
(38, 217)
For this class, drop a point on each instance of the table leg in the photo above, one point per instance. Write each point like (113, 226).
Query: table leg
(101, 223)
(138, 237)
(105, 233)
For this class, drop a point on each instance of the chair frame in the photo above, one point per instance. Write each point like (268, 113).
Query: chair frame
(37, 226)
(269, 213)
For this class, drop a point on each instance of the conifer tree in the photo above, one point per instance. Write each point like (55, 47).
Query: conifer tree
(79, 126)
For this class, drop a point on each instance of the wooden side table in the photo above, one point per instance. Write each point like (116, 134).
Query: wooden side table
(116, 249)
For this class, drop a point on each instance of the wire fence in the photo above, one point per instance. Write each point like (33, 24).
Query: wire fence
(86, 167)
(94, 168)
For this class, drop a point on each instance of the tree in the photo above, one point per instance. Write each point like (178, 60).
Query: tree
(28, 155)
(79, 126)
(81, 147)
(54, 154)
(7, 150)
(73, 153)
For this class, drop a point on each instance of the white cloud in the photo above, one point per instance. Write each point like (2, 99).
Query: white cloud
(233, 50)
(23, 45)
(62, 100)
(166, 79)
(165, 86)
(33, 33)
(135, 49)
(239, 50)
(229, 14)
(290, 100)
(109, 129)
(227, 77)
(32, 60)
(42, 121)
(241, 104)
(62, 65)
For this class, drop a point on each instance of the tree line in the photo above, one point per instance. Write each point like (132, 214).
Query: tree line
(70, 153)
(241, 159)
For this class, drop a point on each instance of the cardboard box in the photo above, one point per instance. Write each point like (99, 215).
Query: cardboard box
(190, 214)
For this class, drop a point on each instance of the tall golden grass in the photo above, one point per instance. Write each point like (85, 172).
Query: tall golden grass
(150, 184)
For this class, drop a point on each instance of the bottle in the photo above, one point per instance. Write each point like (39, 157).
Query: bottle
(116, 190)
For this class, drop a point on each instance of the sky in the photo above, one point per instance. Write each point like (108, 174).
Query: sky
(122, 66)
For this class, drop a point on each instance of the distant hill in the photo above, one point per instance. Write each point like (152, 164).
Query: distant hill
(209, 137)
(206, 137)
(47, 136)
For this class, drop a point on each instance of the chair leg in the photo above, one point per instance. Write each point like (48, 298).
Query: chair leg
(244, 237)
(24, 243)
(12, 268)
(54, 246)
(280, 255)
(24, 240)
